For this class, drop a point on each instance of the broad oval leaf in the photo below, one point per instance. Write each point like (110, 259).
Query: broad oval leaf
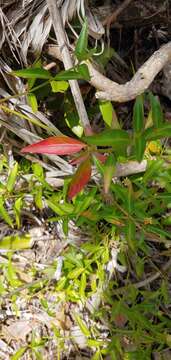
(80, 178)
(59, 145)
(59, 86)
(115, 138)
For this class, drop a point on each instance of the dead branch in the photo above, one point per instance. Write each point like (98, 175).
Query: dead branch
(110, 90)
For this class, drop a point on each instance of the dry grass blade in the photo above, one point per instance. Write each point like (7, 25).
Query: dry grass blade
(20, 22)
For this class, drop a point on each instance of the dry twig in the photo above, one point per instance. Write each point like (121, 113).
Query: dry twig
(66, 58)
(112, 17)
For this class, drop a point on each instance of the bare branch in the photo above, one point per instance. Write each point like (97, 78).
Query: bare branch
(110, 90)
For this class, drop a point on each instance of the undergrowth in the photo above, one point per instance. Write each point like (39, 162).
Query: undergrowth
(105, 291)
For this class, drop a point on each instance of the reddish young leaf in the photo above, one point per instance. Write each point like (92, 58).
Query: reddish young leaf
(80, 178)
(101, 157)
(79, 159)
(59, 145)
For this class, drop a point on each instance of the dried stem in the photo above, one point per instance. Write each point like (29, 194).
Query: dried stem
(67, 61)
(112, 17)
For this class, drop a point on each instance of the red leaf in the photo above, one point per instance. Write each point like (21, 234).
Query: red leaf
(78, 160)
(80, 178)
(101, 157)
(60, 145)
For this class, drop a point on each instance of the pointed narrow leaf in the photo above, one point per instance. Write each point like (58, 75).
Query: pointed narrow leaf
(154, 167)
(32, 73)
(140, 144)
(109, 114)
(130, 234)
(115, 138)
(82, 43)
(109, 169)
(78, 160)
(31, 97)
(138, 114)
(18, 354)
(153, 133)
(60, 145)
(83, 72)
(157, 114)
(76, 73)
(4, 213)
(82, 325)
(16, 242)
(80, 179)
(12, 178)
(98, 164)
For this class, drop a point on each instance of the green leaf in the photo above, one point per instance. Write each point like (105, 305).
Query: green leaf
(114, 138)
(56, 208)
(109, 115)
(130, 234)
(153, 133)
(140, 145)
(82, 325)
(109, 170)
(157, 113)
(4, 214)
(158, 231)
(65, 226)
(76, 73)
(36, 64)
(129, 200)
(83, 284)
(38, 171)
(59, 86)
(18, 354)
(32, 100)
(82, 43)
(138, 114)
(38, 197)
(11, 275)
(98, 164)
(73, 122)
(74, 274)
(32, 73)
(83, 72)
(82, 204)
(15, 242)
(153, 168)
(12, 178)
(17, 210)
